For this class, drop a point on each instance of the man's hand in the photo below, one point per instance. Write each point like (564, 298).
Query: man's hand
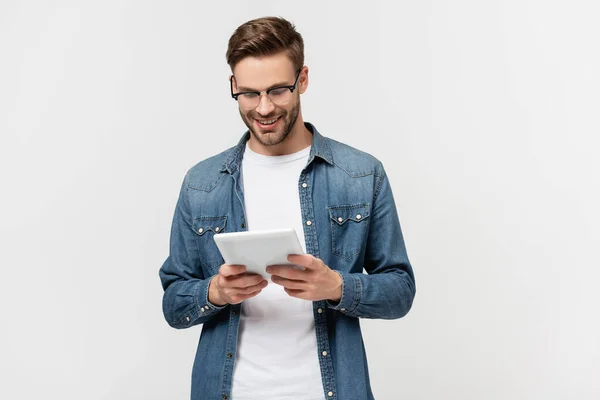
(232, 285)
(316, 282)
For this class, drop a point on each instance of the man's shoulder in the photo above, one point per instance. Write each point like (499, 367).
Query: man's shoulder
(207, 173)
(353, 161)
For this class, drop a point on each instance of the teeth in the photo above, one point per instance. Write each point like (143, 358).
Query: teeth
(267, 122)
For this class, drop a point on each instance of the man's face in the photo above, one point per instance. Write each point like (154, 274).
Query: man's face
(258, 74)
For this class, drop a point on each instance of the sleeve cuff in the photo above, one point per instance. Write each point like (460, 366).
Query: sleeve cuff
(351, 291)
(205, 307)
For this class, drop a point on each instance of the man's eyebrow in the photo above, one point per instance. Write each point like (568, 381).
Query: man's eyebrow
(247, 89)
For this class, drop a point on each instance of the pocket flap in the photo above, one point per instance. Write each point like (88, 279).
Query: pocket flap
(213, 224)
(356, 212)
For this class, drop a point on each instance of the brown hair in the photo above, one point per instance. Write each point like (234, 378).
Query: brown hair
(263, 37)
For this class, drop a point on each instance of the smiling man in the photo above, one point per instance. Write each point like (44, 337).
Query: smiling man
(297, 336)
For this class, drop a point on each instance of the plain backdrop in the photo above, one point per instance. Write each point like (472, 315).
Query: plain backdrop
(484, 113)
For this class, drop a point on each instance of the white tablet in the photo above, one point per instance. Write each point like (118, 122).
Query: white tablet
(258, 249)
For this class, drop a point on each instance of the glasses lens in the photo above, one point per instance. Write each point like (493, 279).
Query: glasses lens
(248, 100)
(278, 97)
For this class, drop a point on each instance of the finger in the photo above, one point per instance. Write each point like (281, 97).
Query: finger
(241, 297)
(287, 271)
(253, 288)
(288, 283)
(241, 281)
(297, 293)
(306, 260)
(230, 270)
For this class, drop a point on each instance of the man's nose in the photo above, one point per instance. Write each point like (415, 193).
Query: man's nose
(265, 105)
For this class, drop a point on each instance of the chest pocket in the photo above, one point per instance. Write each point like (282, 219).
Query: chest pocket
(206, 227)
(349, 226)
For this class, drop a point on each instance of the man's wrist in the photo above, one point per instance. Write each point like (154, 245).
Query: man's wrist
(213, 293)
(337, 296)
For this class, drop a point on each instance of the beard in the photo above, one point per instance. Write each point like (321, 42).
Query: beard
(279, 134)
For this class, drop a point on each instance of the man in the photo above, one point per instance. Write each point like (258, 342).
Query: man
(298, 335)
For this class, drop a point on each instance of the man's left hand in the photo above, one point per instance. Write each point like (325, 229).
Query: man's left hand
(316, 282)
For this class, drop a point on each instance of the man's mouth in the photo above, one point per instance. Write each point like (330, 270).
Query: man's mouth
(267, 123)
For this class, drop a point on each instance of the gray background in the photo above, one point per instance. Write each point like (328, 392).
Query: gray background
(485, 115)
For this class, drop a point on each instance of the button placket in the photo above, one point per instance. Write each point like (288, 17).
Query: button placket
(312, 247)
(305, 185)
(324, 349)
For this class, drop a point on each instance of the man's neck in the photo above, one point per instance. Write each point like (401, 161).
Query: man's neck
(298, 139)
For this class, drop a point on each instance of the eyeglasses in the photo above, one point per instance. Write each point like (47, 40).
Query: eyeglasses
(280, 95)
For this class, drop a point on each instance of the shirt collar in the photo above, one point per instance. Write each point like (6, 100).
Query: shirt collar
(319, 148)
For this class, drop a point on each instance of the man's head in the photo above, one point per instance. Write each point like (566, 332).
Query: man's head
(268, 53)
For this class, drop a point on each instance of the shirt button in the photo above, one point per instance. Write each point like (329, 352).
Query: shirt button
(243, 226)
(330, 394)
(229, 355)
(187, 319)
(202, 309)
(324, 354)
(340, 219)
(319, 310)
(358, 216)
(305, 185)
(224, 397)
(309, 223)
(217, 229)
(200, 230)
(342, 309)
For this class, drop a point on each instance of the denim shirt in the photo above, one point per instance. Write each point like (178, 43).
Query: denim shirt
(350, 222)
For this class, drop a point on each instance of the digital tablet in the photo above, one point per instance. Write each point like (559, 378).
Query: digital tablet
(258, 249)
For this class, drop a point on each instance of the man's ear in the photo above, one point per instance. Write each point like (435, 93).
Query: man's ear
(303, 80)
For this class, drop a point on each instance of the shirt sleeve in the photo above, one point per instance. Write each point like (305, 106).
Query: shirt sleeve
(388, 289)
(185, 299)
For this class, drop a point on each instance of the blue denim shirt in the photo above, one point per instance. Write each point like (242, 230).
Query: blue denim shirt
(354, 227)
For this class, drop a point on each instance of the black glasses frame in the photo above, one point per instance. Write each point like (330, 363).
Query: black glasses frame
(290, 87)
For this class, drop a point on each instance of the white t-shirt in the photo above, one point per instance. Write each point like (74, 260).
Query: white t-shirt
(277, 353)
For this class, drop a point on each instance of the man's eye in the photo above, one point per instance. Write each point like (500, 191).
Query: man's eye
(278, 92)
(249, 95)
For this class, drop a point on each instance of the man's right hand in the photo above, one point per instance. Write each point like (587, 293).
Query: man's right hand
(232, 285)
